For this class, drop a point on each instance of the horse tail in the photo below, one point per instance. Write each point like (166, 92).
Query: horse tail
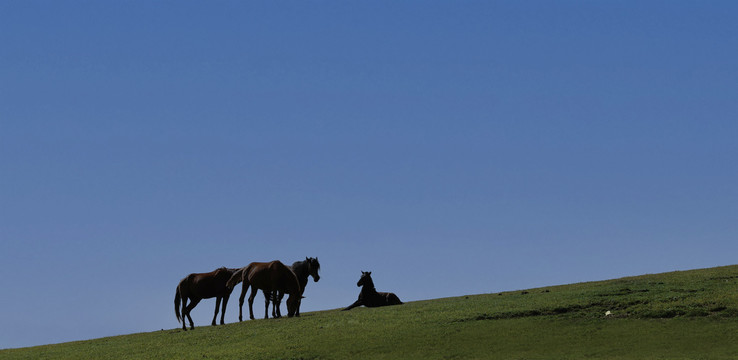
(177, 297)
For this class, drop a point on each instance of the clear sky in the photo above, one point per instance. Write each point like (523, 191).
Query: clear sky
(451, 148)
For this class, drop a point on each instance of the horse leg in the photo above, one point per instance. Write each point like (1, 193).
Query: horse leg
(275, 304)
(267, 294)
(184, 313)
(225, 302)
(191, 306)
(278, 296)
(355, 304)
(251, 302)
(244, 289)
(217, 307)
(267, 298)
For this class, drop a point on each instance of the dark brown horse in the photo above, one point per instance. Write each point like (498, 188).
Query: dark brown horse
(269, 277)
(369, 296)
(202, 286)
(303, 270)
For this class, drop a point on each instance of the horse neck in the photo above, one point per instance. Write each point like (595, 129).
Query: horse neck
(300, 268)
(368, 286)
(229, 272)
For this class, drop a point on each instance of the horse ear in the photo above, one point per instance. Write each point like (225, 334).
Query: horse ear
(369, 273)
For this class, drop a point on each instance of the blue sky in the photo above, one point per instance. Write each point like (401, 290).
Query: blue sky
(450, 148)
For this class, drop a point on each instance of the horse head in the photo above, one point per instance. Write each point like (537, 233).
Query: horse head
(236, 277)
(313, 268)
(293, 304)
(365, 278)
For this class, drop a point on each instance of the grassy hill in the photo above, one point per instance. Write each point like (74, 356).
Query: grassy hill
(678, 315)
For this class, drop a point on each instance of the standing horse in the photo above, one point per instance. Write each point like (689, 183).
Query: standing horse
(269, 277)
(303, 270)
(369, 296)
(202, 286)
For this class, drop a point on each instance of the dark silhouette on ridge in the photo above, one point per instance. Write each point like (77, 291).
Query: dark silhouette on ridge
(369, 296)
(198, 286)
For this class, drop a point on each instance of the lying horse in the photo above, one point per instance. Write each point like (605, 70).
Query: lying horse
(202, 286)
(369, 296)
(269, 277)
(303, 270)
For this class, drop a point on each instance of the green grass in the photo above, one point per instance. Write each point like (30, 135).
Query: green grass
(679, 315)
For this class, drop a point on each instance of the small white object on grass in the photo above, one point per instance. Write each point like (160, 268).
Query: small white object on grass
(608, 313)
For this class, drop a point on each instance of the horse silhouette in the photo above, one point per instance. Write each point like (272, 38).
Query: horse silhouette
(269, 277)
(369, 296)
(303, 270)
(198, 286)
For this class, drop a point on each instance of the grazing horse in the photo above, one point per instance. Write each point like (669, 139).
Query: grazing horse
(202, 286)
(303, 270)
(369, 296)
(269, 277)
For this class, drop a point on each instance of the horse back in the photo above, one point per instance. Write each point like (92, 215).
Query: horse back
(260, 274)
(384, 299)
(206, 285)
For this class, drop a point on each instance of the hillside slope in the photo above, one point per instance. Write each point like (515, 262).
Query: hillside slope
(678, 315)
